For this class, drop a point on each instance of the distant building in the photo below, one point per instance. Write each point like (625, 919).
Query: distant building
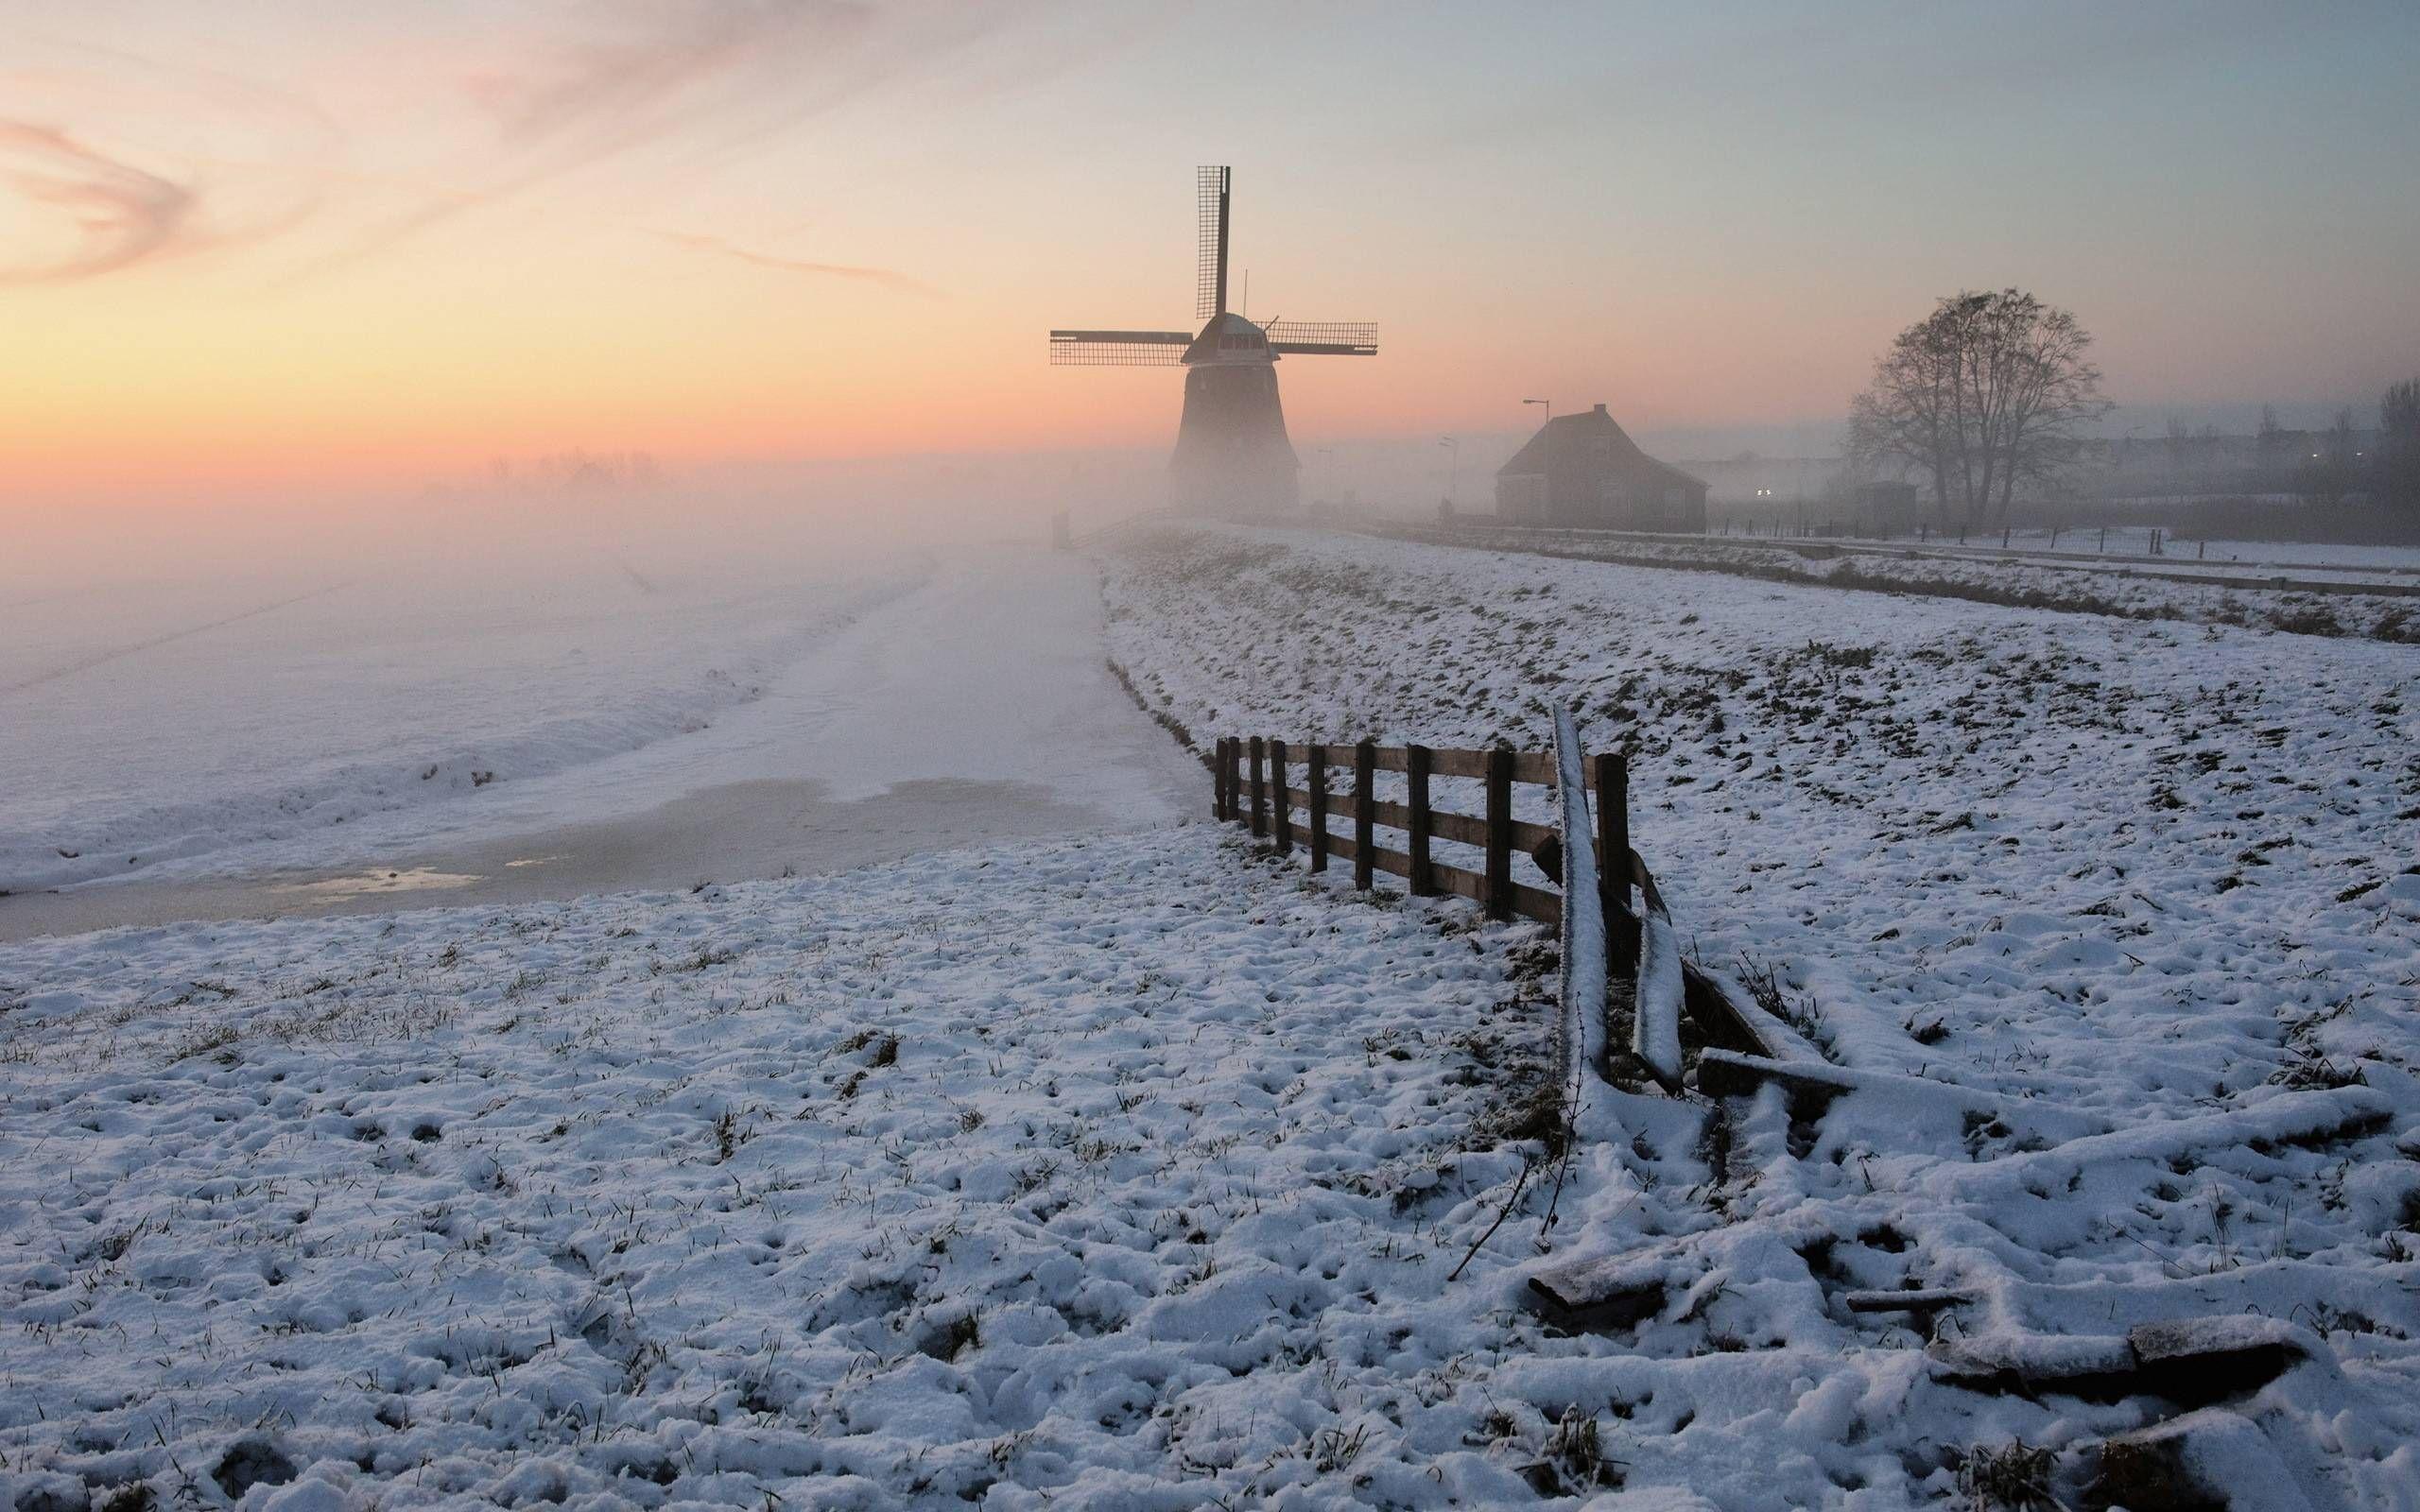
(1886, 507)
(1581, 471)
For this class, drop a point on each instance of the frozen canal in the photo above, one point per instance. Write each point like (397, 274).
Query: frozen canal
(967, 704)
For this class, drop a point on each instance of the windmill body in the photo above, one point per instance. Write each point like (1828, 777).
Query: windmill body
(1232, 453)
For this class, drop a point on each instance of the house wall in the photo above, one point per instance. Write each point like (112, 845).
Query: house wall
(1521, 498)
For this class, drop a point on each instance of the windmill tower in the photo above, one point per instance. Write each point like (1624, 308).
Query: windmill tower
(1232, 455)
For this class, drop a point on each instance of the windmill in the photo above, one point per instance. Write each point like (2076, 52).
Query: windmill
(1232, 455)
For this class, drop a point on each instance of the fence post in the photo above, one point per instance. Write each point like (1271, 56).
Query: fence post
(1499, 834)
(1416, 761)
(1365, 796)
(1613, 854)
(1281, 810)
(1259, 793)
(1218, 807)
(1316, 775)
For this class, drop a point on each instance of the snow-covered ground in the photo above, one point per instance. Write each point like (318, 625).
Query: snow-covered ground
(2400, 559)
(1133, 1170)
(2083, 545)
(1112, 1173)
(2134, 869)
(1937, 812)
(2322, 599)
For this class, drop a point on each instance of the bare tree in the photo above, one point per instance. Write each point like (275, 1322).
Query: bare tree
(1987, 391)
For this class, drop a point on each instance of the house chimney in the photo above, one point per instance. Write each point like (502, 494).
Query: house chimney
(1600, 409)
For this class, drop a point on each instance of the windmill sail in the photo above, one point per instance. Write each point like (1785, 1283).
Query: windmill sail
(1119, 349)
(1323, 338)
(1210, 266)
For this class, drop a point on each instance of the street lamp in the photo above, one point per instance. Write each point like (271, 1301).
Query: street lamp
(1454, 478)
(1547, 405)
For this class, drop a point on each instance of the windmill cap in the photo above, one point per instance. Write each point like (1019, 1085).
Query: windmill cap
(1229, 337)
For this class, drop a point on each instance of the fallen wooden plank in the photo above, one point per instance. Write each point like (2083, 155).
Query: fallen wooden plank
(1662, 987)
(2209, 1458)
(1813, 1085)
(1726, 1023)
(1926, 1300)
(1593, 1309)
(2192, 1362)
(2302, 1117)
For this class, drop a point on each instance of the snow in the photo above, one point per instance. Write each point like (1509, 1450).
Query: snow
(1655, 1029)
(1117, 1169)
(2096, 874)
(2211, 592)
(1965, 833)
(1130, 1168)
(1585, 957)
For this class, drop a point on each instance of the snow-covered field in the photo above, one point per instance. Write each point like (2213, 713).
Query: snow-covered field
(2138, 870)
(1110, 1172)
(2083, 544)
(2219, 594)
(1133, 1170)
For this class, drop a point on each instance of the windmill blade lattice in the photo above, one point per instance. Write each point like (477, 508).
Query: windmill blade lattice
(1119, 349)
(1210, 266)
(1347, 338)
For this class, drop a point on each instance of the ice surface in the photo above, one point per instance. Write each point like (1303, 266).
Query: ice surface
(165, 725)
(924, 681)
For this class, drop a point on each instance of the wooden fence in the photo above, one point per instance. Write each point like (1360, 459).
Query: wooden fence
(1255, 785)
(1252, 784)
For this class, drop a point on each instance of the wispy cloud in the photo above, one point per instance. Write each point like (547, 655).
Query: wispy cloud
(607, 79)
(887, 278)
(483, 107)
(642, 69)
(115, 213)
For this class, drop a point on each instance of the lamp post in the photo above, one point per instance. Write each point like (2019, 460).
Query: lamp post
(1547, 405)
(1454, 477)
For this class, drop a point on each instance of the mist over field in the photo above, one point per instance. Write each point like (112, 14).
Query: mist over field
(189, 682)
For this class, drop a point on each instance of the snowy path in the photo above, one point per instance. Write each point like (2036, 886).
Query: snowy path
(974, 708)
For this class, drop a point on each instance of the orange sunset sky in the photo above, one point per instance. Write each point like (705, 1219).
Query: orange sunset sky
(283, 243)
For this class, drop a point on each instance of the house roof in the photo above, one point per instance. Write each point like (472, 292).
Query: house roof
(1570, 441)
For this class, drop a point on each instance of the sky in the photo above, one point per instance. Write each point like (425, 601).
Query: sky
(311, 244)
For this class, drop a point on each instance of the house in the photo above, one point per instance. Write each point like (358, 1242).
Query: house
(1581, 471)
